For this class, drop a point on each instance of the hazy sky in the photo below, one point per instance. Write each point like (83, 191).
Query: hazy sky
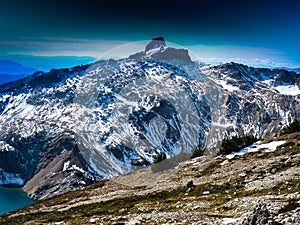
(265, 32)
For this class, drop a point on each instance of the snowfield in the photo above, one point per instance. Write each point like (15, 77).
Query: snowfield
(268, 147)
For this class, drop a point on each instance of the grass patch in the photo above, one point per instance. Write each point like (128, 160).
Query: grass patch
(104, 209)
(218, 195)
(113, 207)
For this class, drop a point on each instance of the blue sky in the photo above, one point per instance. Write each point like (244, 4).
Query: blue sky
(46, 34)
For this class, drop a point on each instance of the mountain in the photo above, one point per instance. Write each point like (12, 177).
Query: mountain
(296, 70)
(10, 71)
(14, 68)
(72, 127)
(259, 187)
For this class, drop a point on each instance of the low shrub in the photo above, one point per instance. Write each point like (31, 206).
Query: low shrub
(197, 153)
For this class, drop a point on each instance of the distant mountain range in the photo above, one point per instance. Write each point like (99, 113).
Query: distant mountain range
(291, 69)
(71, 127)
(297, 70)
(10, 71)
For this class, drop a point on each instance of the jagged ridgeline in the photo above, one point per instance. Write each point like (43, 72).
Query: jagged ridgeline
(68, 128)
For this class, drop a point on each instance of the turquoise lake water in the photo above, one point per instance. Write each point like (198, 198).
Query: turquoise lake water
(12, 199)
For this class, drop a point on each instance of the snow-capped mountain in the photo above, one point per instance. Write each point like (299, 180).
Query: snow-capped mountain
(70, 127)
(256, 101)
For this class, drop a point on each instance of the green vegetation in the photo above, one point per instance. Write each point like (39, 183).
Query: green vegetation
(292, 128)
(162, 156)
(236, 143)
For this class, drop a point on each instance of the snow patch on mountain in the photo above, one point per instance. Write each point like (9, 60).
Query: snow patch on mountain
(6, 147)
(68, 166)
(10, 178)
(226, 86)
(268, 147)
(288, 89)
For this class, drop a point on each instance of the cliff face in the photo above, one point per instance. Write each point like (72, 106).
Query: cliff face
(72, 127)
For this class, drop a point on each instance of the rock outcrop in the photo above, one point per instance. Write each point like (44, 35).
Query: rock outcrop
(155, 43)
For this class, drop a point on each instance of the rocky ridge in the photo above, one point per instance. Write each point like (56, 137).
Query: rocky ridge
(260, 187)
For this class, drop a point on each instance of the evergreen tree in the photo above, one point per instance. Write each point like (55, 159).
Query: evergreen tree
(236, 143)
(162, 156)
(292, 128)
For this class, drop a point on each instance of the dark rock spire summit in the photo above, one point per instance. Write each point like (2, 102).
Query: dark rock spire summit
(162, 52)
(155, 43)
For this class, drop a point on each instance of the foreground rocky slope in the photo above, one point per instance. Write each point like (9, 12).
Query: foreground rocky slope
(260, 187)
(69, 128)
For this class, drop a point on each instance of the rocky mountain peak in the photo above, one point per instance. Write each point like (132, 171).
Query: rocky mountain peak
(155, 43)
(157, 50)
